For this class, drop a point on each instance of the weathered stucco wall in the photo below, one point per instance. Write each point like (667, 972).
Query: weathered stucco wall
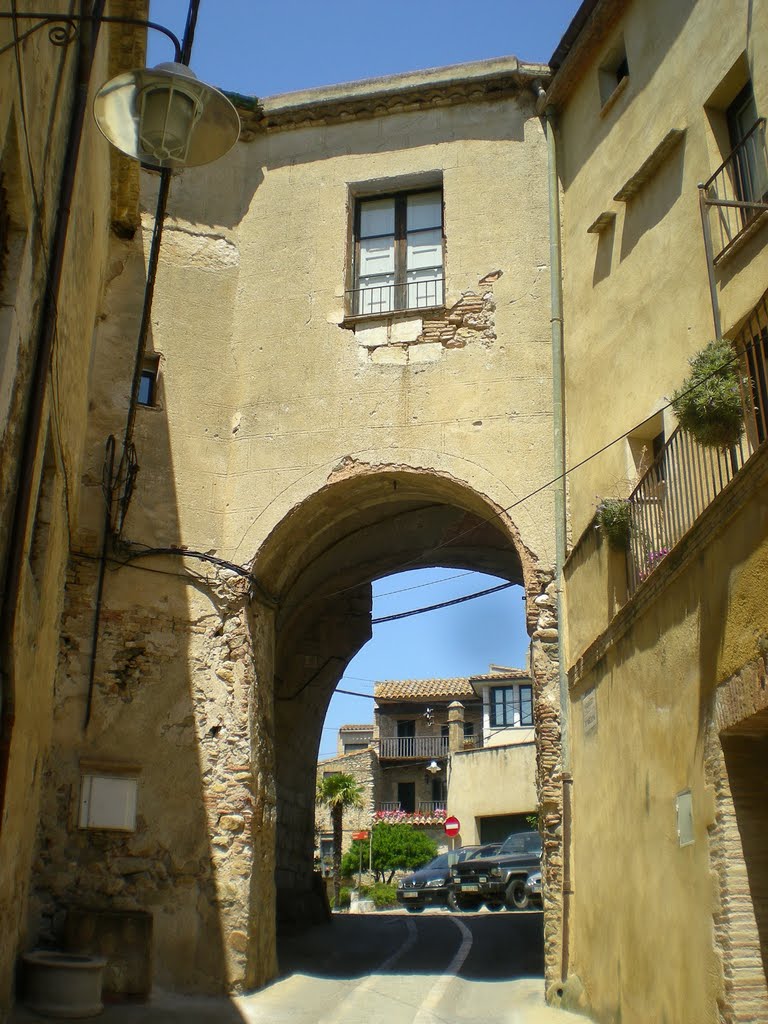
(636, 296)
(651, 936)
(282, 435)
(29, 661)
(494, 781)
(654, 680)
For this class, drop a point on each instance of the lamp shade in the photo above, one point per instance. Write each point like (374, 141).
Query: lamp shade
(433, 767)
(166, 117)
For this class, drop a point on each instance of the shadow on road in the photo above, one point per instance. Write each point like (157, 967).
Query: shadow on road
(504, 946)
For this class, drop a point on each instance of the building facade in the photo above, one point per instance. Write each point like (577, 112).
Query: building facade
(462, 747)
(659, 111)
(60, 193)
(347, 372)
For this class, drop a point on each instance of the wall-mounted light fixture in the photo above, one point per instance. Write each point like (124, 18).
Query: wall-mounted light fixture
(165, 117)
(433, 768)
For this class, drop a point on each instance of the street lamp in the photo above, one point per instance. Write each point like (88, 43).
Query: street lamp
(166, 117)
(433, 768)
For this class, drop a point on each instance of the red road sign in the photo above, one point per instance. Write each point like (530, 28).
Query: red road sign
(359, 835)
(452, 826)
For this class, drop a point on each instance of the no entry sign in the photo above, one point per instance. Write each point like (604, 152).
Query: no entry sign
(452, 826)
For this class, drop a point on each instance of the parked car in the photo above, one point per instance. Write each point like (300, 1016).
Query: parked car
(533, 888)
(500, 880)
(429, 885)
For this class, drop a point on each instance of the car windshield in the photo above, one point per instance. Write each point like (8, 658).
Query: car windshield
(437, 863)
(522, 842)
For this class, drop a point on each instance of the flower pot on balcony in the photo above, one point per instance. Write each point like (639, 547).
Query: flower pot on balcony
(65, 985)
(708, 405)
(614, 519)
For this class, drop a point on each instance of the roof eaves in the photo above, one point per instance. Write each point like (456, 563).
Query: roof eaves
(591, 24)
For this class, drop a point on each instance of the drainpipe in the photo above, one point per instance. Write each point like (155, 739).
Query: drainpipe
(558, 422)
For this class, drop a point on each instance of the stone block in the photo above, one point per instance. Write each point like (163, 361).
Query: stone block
(430, 352)
(390, 355)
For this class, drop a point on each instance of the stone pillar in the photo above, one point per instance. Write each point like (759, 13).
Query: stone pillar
(455, 726)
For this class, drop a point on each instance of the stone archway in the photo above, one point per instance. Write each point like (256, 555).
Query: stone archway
(317, 565)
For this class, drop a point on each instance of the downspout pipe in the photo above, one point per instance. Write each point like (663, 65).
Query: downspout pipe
(13, 567)
(558, 425)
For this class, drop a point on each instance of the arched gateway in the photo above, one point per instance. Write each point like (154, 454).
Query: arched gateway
(318, 565)
(310, 426)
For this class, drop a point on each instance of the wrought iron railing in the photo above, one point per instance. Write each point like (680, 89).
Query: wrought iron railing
(413, 746)
(389, 806)
(735, 196)
(375, 300)
(431, 807)
(685, 477)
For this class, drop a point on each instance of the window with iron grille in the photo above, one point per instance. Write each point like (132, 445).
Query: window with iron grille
(398, 253)
(511, 705)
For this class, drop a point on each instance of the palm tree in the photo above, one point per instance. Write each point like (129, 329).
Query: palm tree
(337, 792)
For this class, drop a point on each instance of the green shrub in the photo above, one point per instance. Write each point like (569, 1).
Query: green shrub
(708, 405)
(614, 518)
(382, 895)
(344, 896)
(396, 847)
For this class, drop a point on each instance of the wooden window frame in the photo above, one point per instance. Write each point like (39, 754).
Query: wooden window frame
(400, 283)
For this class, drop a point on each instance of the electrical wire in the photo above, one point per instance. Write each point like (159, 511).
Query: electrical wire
(442, 604)
(418, 560)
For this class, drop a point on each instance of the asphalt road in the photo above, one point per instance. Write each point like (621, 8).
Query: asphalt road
(388, 968)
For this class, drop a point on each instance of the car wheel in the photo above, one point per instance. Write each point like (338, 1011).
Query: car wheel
(414, 910)
(516, 897)
(495, 906)
(452, 902)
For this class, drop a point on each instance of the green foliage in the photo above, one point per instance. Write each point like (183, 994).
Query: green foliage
(614, 518)
(398, 847)
(340, 790)
(344, 896)
(708, 405)
(382, 895)
(532, 821)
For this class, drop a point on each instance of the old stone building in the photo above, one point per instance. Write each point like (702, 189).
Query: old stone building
(462, 746)
(361, 359)
(659, 113)
(348, 372)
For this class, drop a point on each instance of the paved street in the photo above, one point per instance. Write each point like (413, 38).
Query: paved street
(389, 968)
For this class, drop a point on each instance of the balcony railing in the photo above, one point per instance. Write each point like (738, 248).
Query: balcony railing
(393, 809)
(375, 300)
(413, 746)
(685, 477)
(735, 196)
(431, 807)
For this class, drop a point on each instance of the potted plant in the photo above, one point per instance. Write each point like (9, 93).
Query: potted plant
(614, 518)
(708, 404)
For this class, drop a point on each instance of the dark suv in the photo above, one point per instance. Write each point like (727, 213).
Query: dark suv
(500, 880)
(429, 885)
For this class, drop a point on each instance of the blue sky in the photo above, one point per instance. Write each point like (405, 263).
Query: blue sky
(264, 49)
(457, 641)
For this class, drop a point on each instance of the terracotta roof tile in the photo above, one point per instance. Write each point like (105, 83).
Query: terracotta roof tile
(356, 728)
(419, 689)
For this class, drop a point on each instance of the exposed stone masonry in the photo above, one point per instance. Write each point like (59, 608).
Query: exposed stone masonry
(185, 734)
(405, 338)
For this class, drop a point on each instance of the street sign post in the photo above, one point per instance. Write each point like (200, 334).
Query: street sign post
(452, 826)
